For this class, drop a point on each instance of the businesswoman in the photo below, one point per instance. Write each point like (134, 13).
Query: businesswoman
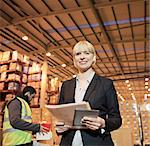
(101, 95)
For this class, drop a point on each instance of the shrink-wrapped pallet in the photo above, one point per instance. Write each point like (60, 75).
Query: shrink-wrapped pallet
(3, 68)
(24, 78)
(3, 76)
(13, 86)
(6, 56)
(14, 77)
(17, 56)
(1, 85)
(15, 66)
(1, 55)
(26, 59)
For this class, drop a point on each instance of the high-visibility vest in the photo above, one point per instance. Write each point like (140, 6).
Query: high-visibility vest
(12, 136)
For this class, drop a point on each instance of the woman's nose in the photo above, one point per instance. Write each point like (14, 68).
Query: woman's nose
(82, 57)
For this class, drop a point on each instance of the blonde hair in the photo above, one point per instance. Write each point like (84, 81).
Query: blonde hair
(82, 46)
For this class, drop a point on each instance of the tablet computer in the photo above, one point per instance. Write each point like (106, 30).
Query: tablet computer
(80, 113)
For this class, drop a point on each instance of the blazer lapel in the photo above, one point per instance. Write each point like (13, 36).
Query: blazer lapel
(72, 90)
(90, 88)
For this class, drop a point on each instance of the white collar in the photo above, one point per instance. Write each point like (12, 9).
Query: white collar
(87, 76)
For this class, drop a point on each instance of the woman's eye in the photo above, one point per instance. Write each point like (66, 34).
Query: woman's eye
(87, 52)
(78, 53)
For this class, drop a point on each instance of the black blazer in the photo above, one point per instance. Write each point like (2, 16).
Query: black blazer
(101, 95)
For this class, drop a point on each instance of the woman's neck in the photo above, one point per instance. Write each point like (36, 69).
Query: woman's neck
(84, 75)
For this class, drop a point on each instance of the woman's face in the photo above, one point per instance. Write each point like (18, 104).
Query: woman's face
(83, 59)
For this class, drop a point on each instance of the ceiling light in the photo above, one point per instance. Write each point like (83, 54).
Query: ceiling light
(130, 89)
(145, 96)
(122, 98)
(149, 89)
(25, 38)
(127, 81)
(48, 54)
(74, 76)
(146, 79)
(63, 65)
(146, 83)
(129, 85)
(56, 78)
(146, 87)
(133, 97)
(148, 107)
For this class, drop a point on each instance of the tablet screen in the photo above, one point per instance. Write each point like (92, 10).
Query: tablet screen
(80, 113)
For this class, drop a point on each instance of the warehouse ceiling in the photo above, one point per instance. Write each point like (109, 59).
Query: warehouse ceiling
(119, 30)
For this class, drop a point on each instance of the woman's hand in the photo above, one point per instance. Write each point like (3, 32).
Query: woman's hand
(93, 123)
(60, 127)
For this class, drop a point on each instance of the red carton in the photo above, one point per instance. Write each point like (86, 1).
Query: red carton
(47, 125)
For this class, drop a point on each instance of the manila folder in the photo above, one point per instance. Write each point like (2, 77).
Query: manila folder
(65, 112)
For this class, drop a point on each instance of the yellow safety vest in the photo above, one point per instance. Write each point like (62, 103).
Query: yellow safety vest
(12, 136)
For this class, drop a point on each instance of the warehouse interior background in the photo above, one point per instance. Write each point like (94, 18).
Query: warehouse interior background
(119, 30)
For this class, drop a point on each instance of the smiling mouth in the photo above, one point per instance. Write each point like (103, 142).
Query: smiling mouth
(83, 62)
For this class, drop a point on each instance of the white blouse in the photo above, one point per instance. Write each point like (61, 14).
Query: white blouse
(82, 83)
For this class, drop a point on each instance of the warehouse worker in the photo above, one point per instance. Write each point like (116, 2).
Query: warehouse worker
(17, 126)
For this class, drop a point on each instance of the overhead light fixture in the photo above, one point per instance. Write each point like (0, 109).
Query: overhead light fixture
(74, 76)
(146, 79)
(25, 38)
(56, 78)
(127, 81)
(130, 89)
(122, 98)
(145, 96)
(148, 107)
(48, 54)
(63, 65)
(133, 97)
